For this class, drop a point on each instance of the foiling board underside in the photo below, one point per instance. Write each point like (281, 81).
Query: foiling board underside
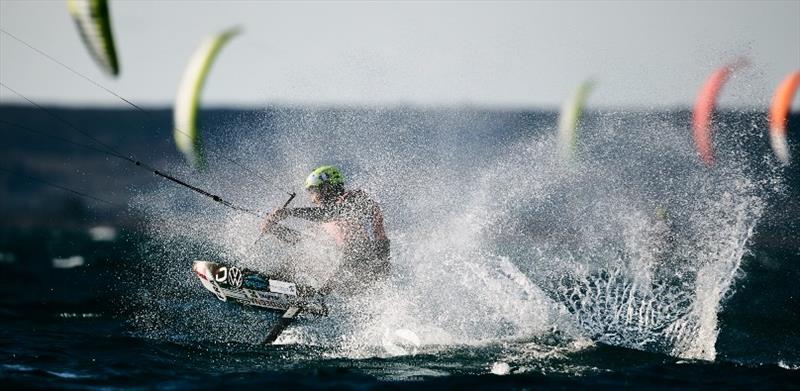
(248, 287)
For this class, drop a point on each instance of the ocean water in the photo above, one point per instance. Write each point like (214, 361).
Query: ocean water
(632, 264)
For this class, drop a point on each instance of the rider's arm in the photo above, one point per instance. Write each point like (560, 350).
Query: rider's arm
(285, 234)
(289, 235)
(314, 214)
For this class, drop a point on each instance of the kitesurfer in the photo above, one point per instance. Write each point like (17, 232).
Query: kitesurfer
(353, 220)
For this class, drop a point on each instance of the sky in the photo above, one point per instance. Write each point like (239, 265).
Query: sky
(647, 54)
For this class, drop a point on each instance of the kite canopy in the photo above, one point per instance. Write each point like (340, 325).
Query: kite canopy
(94, 25)
(704, 109)
(186, 132)
(778, 116)
(569, 119)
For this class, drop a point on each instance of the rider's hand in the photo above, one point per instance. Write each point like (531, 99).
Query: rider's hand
(273, 218)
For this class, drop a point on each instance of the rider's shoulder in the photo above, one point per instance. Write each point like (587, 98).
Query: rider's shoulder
(356, 195)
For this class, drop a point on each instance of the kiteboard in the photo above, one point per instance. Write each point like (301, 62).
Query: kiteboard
(256, 289)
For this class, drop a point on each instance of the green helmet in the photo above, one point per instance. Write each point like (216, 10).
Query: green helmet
(325, 175)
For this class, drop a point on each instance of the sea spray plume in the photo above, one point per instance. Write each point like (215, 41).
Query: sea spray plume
(490, 242)
(778, 113)
(702, 127)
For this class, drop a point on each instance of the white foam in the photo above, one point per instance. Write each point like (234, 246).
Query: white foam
(500, 368)
(68, 263)
(103, 233)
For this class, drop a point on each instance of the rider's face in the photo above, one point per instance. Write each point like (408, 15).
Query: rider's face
(315, 195)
